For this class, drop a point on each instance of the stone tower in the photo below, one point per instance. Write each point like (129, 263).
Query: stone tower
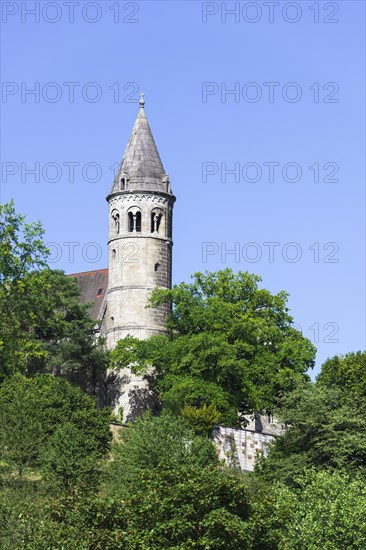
(140, 252)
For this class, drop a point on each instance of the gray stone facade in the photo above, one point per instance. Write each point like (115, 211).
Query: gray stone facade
(240, 448)
(140, 259)
(140, 256)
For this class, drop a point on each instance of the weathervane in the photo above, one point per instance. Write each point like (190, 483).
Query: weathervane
(142, 101)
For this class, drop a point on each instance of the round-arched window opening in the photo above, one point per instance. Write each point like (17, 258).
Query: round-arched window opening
(134, 222)
(155, 221)
(115, 217)
(157, 267)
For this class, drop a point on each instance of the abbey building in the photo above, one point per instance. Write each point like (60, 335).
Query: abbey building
(139, 258)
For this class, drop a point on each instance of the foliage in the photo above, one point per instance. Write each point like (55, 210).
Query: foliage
(327, 509)
(21, 246)
(56, 331)
(322, 430)
(71, 461)
(179, 390)
(164, 442)
(202, 419)
(21, 251)
(22, 506)
(82, 523)
(188, 508)
(165, 489)
(346, 373)
(329, 512)
(272, 507)
(33, 408)
(176, 495)
(191, 508)
(43, 326)
(230, 347)
(230, 344)
(66, 332)
(205, 508)
(21, 433)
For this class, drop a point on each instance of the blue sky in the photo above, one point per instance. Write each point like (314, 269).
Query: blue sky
(292, 133)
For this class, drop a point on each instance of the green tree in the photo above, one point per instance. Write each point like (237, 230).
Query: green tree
(229, 343)
(22, 251)
(165, 489)
(204, 509)
(164, 442)
(43, 325)
(173, 490)
(22, 506)
(202, 419)
(327, 510)
(346, 373)
(188, 508)
(71, 462)
(21, 246)
(75, 523)
(330, 513)
(32, 409)
(21, 433)
(64, 331)
(54, 332)
(323, 430)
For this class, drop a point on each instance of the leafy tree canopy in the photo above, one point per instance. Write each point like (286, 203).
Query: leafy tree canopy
(71, 461)
(22, 251)
(202, 419)
(323, 430)
(230, 344)
(21, 246)
(166, 490)
(63, 329)
(43, 326)
(164, 442)
(191, 508)
(346, 373)
(326, 510)
(32, 409)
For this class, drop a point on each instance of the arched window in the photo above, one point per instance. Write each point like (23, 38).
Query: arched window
(156, 217)
(138, 222)
(169, 223)
(130, 222)
(134, 221)
(115, 216)
(157, 267)
(123, 184)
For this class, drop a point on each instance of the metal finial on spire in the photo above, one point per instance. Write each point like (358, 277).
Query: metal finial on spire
(142, 101)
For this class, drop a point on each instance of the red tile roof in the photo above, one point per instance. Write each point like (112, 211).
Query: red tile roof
(93, 286)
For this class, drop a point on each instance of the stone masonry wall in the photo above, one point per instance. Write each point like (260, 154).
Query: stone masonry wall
(240, 448)
(139, 261)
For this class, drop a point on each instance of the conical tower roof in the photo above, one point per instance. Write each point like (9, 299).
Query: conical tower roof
(141, 167)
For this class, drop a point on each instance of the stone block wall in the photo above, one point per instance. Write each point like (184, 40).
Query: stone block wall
(240, 447)
(138, 262)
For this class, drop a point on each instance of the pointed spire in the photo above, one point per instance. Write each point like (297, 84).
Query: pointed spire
(142, 101)
(141, 167)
